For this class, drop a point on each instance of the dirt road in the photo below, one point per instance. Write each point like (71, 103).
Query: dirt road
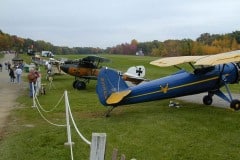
(8, 92)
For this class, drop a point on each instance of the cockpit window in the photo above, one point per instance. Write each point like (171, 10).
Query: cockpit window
(203, 70)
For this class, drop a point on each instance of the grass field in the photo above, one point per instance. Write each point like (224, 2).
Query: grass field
(145, 131)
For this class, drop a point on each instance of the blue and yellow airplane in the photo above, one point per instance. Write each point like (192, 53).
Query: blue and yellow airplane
(210, 73)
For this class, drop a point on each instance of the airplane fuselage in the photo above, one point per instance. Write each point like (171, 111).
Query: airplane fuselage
(80, 71)
(179, 84)
(182, 84)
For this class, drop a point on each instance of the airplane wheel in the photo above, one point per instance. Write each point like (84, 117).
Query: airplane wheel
(81, 85)
(235, 104)
(75, 84)
(207, 100)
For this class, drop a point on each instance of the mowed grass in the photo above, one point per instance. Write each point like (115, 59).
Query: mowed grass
(145, 131)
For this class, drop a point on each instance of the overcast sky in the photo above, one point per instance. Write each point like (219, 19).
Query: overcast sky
(106, 23)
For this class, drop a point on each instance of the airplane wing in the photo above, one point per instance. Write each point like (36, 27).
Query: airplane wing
(94, 58)
(227, 57)
(171, 61)
(208, 60)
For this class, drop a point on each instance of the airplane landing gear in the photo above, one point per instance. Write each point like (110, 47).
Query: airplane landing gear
(207, 100)
(235, 104)
(80, 85)
(107, 114)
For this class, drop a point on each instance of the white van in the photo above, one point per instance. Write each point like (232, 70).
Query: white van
(47, 54)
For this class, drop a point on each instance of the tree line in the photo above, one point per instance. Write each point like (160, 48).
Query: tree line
(206, 43)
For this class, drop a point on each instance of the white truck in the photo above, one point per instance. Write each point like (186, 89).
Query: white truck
(47, 54)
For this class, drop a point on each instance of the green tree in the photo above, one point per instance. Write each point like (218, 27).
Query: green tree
(186, 47)
(236, 35)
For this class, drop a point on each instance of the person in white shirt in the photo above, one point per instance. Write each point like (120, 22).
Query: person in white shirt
(18, 72)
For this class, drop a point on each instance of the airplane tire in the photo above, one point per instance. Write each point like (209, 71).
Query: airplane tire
(81, 85)
(75, 84)
(207, 100)
(235, 104)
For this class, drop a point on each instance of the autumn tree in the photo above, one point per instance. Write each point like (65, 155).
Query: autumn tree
(4, 42)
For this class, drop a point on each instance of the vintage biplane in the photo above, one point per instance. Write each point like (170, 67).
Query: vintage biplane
(87, 69)
(210, 73)
(52, 65)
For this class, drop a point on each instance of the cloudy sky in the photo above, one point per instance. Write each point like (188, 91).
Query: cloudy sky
(106, 23)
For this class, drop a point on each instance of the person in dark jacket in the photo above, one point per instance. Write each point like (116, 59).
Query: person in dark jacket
(12, 75)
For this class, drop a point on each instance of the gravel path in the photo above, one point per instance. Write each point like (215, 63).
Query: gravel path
(8, 92)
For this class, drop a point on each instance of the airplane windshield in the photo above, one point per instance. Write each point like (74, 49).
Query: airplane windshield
(203, 70)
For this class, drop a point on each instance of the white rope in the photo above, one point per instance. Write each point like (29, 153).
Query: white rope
(58, 125)
(75, 126)
(52, 108)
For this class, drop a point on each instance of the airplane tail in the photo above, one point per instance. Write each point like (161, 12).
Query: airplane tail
(111, 88)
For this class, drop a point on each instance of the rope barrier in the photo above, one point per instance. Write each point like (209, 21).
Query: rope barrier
(68, 112)
(36, 105)
(58, 125)
(52, 108)
(74, 124)
(68, 125)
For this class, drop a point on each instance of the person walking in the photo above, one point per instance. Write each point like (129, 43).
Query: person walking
(9, 66)
(12, 75)
(6, 65)
(19, 74)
